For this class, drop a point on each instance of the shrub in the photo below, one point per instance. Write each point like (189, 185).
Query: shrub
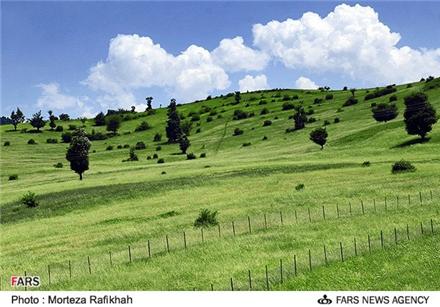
(140, 146)
(213, 113)
(238, 131)
(291, 129)
(384, 112)
(109, 147)
(366, 163)
(264, 138)
(381, 92)
(317, 101)
(319, 136)
(58, 165)
(72, 127)
(142, 126)
(295, 97)
(126, 146)
(326, 123)
(300, 187)
(336, 120)
(158, 148)
(51, 141)
(31, 142)
(247, 144)
(119, 146)
(160, 161)
(190, 156)
(311, 120)
(155, 156)
(419, 115)
(393, 98)
(286, 98)
(310, 112)
(157, 137)
(262, 102)
(288, 106)
(13, 177)
(195, 117)
(206, 218)
(239, 114)
(29, 200)
(264, 111)
(198, 130)
(97, 136)
(350, 101)
(203, 155)
(402, 166)
(267, 123)
(209, 119)
(329, 97)
(7, 143)
(59, 129)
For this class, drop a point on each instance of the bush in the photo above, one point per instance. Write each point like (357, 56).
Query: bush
(267, 123)
(7, 143)
(209, 119)
(350, 101)
(326, 123)
(140, 146)
(206, 218)
(158, 148)
(97, 136)
(329, 97)
(157, 137)
(264, 138)
(72, 127)
(295, 97)
(31, 142)
(291, 129)
(160, 161)
(51, 141)
(109, 147)
(195, 117)
(142, 126)
(198, 130)
(310, 112)
(311, 120)
(203, 155)
(384, 112)
(402, 166)
(262, 102)
(317, 101)
(336, 120)
(126, 146)
(393, 98)
(300, 187)
(13, 177)
(247, 144)
(190, 156)
(381, 92)
(366, 163)
(119, 146)
(264, 111)
(59, 129)
(29, 200)
(58, 165)
(288, 106)
(155, 156)
(238, 131)
(286, 98)
(239, 114)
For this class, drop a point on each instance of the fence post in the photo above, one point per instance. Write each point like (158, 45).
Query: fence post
(381, 239)
(267, 279)
(432, 227)
(395, 235)
(232, 285)
(355, 247)
(129, 253)
(369, 243)
(48, 272)
(430, 193)
(265, 221)
(168, 244)
(70, 270)
(323, 212)
(233, 228)
(420, 197)
(149, 249)
(296, 217)
(386, 207)
(219, 231)
(110, 257)
(421, 227)
(90, 265)
(337, 210)
(407, 231)
(249, 224)
(281, 218)
(310, 260)
(397, 201)
(409, 200)
(310, 218)
(295, 269)
(349, 203)
(184, 239)
(281, 271)
(25, 274)
(203, 237)
(325, 255)
(342, 251)
(250, 280)
(362, 205)
(212, 287)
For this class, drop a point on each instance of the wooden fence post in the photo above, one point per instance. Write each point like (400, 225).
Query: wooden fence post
(369, 243)
(355, 247)
(281, 271)
(267, 279)
(342, 251)
(310, 260)
(184, 239)
(386, 207)
(310, 218)
(337, 210)
(129, 253)
(362, 206)
(212, 287)
(90, 266)
(110, 257)
(421, 228)
(349, 204)
(219, 231)
(325, 255)
(409, 200)
(250, 280)
(265, 221)
(374, 204)
(381, 239)
(430, 193)
(48, 272)
(407, 231)
(233, 228)
(249, 224)
(203, 237)
(432, 227)
(296, 217)
(70, 270)
(281, 218)
(149, 249)
(323, 212)
(395, 235)
(420, 197)
(397, 201)
(232, 285)
(167, 243)
(295, 268)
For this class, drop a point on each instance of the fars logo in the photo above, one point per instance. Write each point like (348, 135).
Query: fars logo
(25, 281)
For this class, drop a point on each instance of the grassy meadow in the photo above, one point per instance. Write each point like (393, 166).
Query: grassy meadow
(120, 204)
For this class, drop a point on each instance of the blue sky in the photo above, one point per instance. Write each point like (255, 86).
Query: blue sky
(49, 48)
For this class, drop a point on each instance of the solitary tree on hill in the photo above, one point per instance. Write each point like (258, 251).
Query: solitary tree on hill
(237, 97)
(100, 119)
(37, 121)
(17, 117)
(319, 136)
(419, 114)
(149, 102)
(78, 152)
(173, 129)
(300, 118)
(113, 123)
(384, 112)
(184, 144)
(52, 119)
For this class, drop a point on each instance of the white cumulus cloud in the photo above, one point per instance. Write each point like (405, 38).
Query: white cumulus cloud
(51, 97)
(305, 83)
(250, 83)
(351, 40)
(233, 56)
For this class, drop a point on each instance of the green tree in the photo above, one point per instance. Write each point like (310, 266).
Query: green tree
(319, 136)
(300, 118)
(184, 143)
(173, 129)
(419, 114)
(149, 102)
(384, 112)
(37, 121)
(113, 123)
(52, 119)
(78, 152)
(17, 117)
(237, 97)
(100, 119)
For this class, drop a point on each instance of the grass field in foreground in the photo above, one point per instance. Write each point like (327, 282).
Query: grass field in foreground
(125, 203)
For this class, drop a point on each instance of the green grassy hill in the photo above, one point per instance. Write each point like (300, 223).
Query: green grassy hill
(127, 203)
